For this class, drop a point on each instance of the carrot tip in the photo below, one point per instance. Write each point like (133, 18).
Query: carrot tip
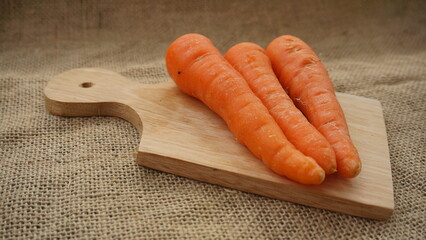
(358, 169)
(333, 170)
(351, 172)
(322, 177)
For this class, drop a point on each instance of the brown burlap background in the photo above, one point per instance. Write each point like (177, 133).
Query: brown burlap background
(76, 177)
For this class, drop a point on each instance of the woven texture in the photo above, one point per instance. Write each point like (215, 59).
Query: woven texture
(76, 177)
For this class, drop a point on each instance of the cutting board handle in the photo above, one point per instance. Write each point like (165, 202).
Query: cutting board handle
(93, 92)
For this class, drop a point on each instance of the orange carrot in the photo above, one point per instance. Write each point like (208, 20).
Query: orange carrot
(200, 70)
(307, 82)
(254, 65)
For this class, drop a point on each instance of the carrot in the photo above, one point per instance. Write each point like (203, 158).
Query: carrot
(254, 65)
(200, 70)
(307, 82)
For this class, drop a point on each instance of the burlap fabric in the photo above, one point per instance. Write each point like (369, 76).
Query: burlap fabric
(76, 177)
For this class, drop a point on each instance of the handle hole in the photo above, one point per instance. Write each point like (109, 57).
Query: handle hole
(86, 84)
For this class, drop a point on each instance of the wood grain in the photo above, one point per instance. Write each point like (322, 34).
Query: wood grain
(180, 135)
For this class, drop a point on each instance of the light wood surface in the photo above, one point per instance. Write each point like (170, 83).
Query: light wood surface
(180, 135)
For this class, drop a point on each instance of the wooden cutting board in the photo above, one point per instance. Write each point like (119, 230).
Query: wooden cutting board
(180, 135)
